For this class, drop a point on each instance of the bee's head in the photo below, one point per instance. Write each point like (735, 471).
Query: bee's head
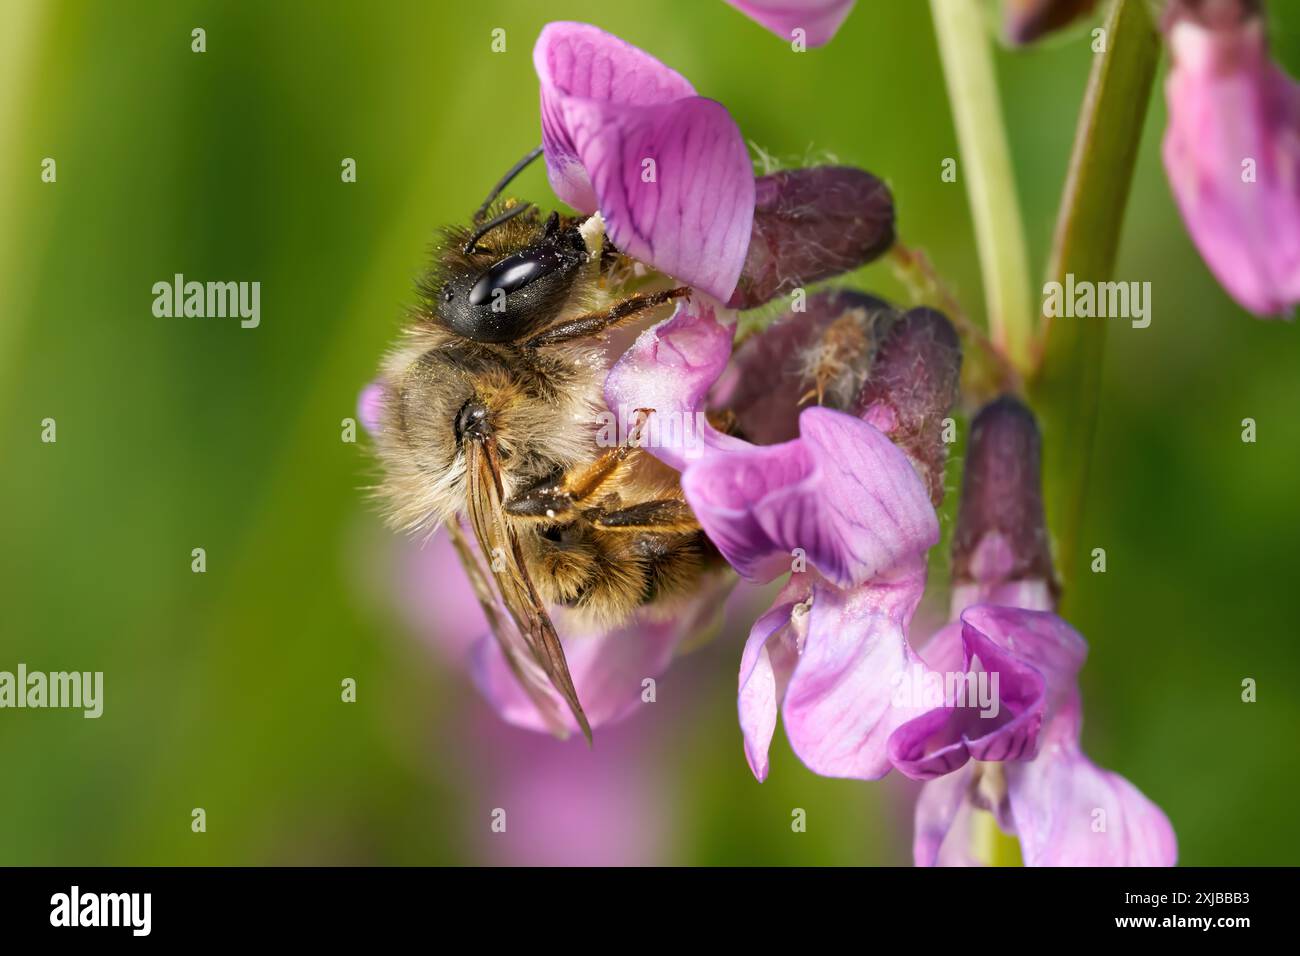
(506, 282)
(441, 394)
(454, 393)
(445, 393)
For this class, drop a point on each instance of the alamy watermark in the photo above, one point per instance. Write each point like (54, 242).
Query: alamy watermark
(917, 688)
(75, 908)
(76, 690)
(1100, 300)
(647, 428)
(213, 300)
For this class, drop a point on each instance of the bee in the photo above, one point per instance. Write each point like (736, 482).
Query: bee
(489, 421)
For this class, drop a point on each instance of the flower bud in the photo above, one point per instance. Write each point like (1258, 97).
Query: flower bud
(1212, 14)
(811, 224)
(1232, 150)
(1025, 21)
(817, 356)
(1001, 533)
(912, 385)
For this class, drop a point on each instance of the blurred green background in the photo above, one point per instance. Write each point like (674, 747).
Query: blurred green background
(222, 689)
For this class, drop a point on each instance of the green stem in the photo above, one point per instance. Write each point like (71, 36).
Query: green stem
(990, 845)
(965, 49)
(1065, 390)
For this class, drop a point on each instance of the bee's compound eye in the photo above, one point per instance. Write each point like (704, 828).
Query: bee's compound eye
(513, 273)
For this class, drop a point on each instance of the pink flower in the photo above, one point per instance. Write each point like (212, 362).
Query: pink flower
(667, 169)
(1232, 151)
(1020, 759)
(564, 803)
(669, 172)
(567, 804)
(819, 19)
(841, 500)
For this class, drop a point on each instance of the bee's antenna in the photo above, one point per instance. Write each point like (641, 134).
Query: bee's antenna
(515, 170)
(483, 230)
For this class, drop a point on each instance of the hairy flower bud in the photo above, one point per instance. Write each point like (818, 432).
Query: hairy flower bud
(912, 385)
(811, 224)
(818, 356)
(1001, 533)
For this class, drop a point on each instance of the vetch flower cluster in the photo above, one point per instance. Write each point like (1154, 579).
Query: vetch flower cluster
(851, 396)
(816, 457)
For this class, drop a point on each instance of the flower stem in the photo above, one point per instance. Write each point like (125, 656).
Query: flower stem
(1065, 389)
(990, 845)
(965, 48)
(985, 371)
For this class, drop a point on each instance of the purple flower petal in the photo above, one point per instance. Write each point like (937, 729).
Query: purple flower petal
(1064, 809)
(840, 706)
(942, 835)
(944, 650)
(769, 658)
(841, 493)
(1006, 723)
(1038, 638)
(832, 660)
(370, 406)
(667, 169)
(669, 369)
(819, 19)
(1232, 153)
(436, 598)
(569, 804)
(841, 497)
(1068, 811)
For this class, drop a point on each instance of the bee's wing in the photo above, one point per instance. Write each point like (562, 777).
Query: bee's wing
(518, 657)
(531, 646)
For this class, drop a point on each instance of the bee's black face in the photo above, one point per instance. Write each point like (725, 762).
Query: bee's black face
(518, 294)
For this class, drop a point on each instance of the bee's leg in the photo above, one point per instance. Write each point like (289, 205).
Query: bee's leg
(557, 496)
(667, 539)
(664, 516)
(565, 560)
(594, 323)
(617, 560)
